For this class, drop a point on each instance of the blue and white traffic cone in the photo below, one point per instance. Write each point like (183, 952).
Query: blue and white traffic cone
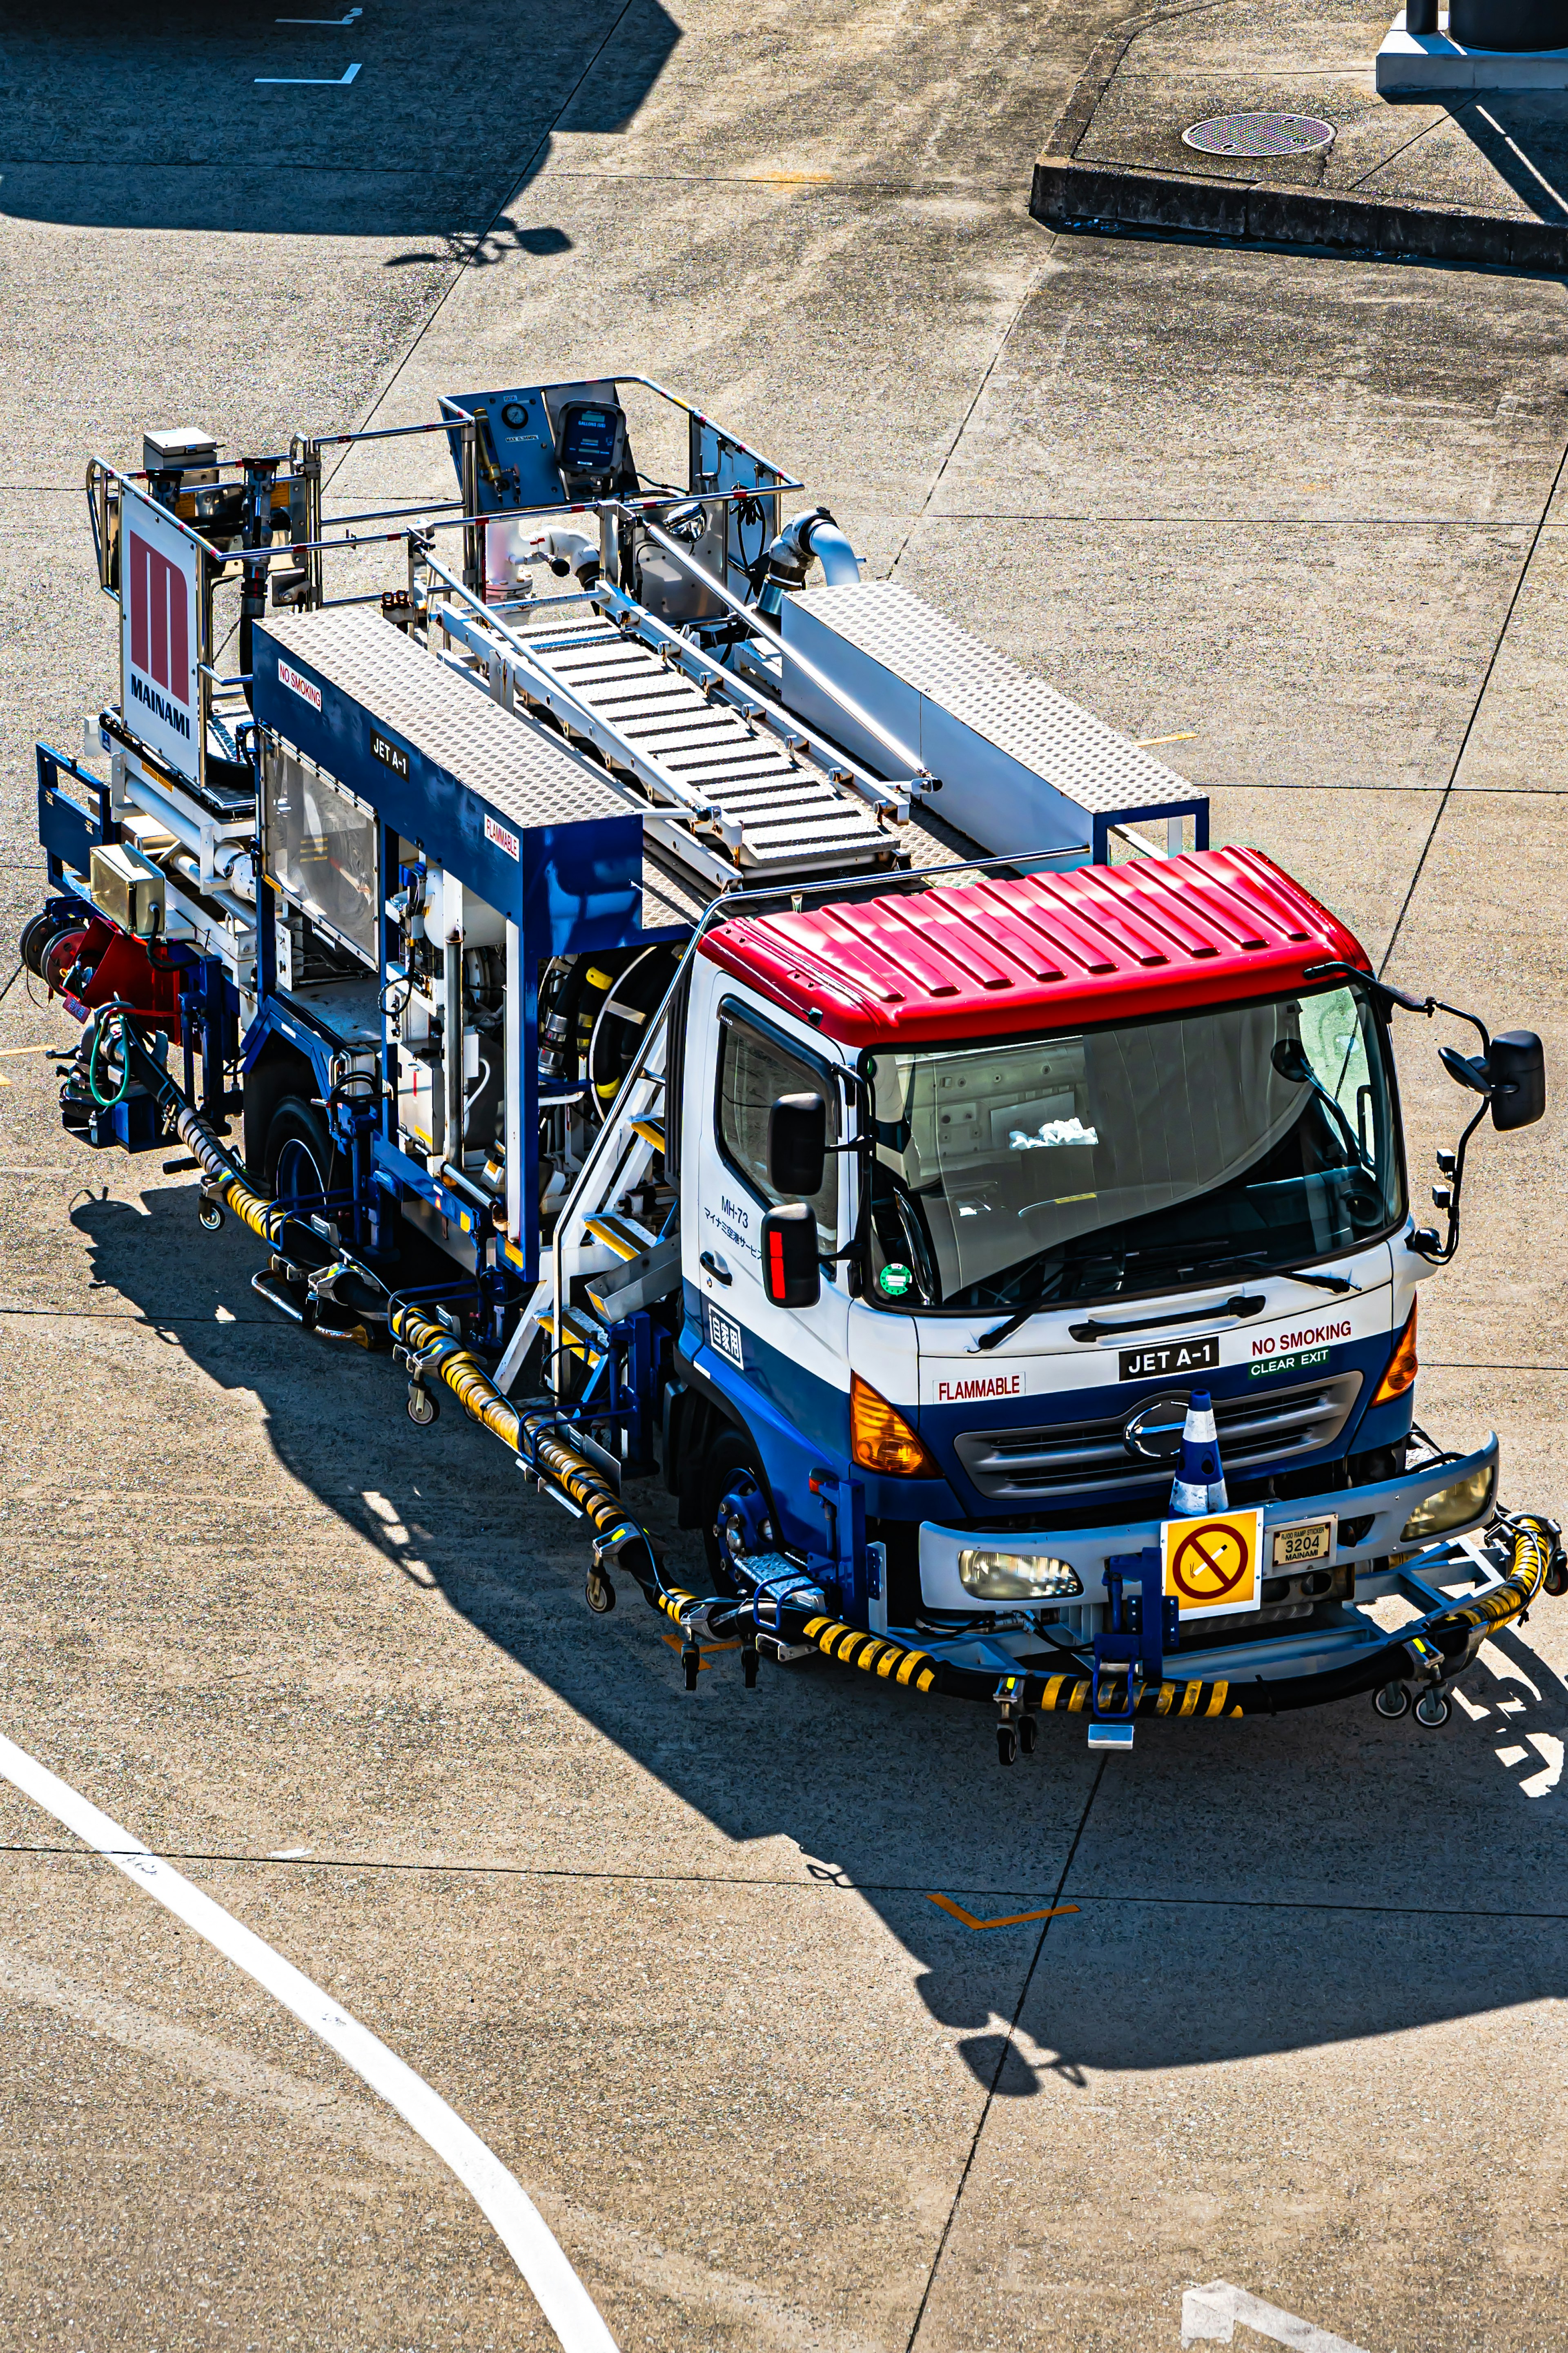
(1199, 1482)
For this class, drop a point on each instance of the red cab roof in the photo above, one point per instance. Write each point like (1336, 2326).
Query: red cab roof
(983, 958)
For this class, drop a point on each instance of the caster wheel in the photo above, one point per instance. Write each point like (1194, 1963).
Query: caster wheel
(599, 1593)
(210, 1216)
(1006, 1744)
(1392, 1700)
(748, 1666)
(1555, 1581)
(1433, 1709)
(1026, 1734)
(422, 1409)
(691, 1665)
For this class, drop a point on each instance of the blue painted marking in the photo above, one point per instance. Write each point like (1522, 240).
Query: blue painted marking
(1111, 1735)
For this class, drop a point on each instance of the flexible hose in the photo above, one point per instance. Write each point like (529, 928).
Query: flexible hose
(95, 1048)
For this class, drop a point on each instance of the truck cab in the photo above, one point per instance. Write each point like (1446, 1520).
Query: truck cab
(1094, 1142)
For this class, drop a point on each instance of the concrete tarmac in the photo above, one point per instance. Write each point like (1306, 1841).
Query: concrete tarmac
(675, 1957)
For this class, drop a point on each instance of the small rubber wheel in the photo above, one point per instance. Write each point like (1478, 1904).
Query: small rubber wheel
(1006, 1745)
(1433, 1709)
(1026, 1733)
(599, 1594)
(691, 1665)
(210, 1216)
(422, 1409)
(749, 1665)
(1392, 1700)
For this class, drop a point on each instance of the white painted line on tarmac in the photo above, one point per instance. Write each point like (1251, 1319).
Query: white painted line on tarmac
(306, 82)
(1212, 2314)
(510, 2213)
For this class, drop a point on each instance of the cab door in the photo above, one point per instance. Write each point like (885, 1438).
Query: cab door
(788, 1363)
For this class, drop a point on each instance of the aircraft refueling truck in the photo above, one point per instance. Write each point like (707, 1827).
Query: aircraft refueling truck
(748, 1033)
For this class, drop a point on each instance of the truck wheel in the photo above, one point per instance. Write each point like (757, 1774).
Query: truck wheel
(734, 1502)
(299, 1157)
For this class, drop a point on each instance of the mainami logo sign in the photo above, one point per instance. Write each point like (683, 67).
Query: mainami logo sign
(159, 633)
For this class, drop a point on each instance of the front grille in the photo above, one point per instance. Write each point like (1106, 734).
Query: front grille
(1074, 1458)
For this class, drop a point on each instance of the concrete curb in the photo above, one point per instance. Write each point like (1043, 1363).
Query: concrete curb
(1068, 193)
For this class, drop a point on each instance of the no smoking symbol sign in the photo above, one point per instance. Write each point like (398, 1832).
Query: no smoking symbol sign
(1210, 1562)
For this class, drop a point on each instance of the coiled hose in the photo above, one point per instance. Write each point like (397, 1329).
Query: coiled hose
(537, 1437)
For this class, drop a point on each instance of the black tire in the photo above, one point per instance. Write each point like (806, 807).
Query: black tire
(300, 1159)
(36, 935)
(728, 1457)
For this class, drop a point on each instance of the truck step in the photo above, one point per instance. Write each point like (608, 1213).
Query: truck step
(577, 1333)
(621, 1234)
(651, 1129)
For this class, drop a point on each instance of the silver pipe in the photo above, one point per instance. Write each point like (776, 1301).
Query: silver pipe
(908, 762)
(452, 1054)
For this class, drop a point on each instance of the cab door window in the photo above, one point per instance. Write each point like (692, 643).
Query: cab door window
(755, 1068)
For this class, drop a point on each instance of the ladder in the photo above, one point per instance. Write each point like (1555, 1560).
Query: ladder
(626, 1263)
(725, 779)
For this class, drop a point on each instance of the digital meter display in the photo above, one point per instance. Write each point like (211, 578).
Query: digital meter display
(588, 443)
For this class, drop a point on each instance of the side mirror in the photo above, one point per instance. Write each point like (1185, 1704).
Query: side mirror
(797, 1144)
(1517, 1068)
(792, 1276)
(1465, 1069)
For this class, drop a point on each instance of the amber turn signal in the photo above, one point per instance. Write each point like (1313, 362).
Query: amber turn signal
(882, 1439)
(1403, 1366)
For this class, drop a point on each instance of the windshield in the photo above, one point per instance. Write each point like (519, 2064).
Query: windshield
(1132, 1159)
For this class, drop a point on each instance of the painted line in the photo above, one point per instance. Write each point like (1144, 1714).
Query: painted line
(320, 20)
(1146, 742)
(1211, 2315)
(1009, 1920)
(707, 1648)
(306, 82)
(501, 2198)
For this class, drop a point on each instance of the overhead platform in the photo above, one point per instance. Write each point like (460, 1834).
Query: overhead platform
(1022, 767)
(537, 830)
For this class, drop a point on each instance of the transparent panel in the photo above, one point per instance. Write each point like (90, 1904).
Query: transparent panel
(320, 850)
(1130, 1158)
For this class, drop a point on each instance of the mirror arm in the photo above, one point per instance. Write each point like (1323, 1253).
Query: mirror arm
(1384, 991)
(1435, 1004)
(1440, 1256)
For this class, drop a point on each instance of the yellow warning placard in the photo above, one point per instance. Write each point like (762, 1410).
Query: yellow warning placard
(1214, 1565)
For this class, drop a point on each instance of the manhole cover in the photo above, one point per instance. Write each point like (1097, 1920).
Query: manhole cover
(1260, 134)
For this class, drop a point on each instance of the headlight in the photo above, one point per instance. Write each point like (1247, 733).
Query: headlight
(1451, 1507)
(1016, 1576)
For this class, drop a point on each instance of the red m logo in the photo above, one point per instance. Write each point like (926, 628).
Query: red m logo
(160, 632)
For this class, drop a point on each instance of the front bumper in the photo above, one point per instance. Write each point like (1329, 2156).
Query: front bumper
(1380, 1563)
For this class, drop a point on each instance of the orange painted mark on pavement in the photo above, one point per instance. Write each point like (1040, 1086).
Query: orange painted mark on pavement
(706, 1649)
(1011, 1920)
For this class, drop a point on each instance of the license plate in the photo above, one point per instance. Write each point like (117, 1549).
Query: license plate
(1313, 1540)
(1167, 1360)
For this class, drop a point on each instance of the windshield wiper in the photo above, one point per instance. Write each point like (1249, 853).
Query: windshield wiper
(1000, 1332)
(1261, 1259)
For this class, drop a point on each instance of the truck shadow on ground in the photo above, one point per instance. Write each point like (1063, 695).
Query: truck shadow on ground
(1242, 1888)
(317, 120)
